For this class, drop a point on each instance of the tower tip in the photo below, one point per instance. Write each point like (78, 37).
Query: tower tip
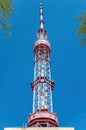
(41, 16)
(41, 32)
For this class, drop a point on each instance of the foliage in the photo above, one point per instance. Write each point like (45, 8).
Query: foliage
(5, 11)
(81, 31)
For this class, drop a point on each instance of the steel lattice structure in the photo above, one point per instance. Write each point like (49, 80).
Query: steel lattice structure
(42, 85)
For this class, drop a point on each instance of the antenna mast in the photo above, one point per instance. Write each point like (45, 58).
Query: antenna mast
(42, 34)
(41, 16)
(42, 86)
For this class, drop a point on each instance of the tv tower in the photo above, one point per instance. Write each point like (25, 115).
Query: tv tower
(42, 116)
(42, 85)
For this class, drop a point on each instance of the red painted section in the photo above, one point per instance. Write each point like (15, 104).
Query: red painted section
(41, 21)
(42, 30)
(42, 80)
(41, 47)
(43, 120)
(43, 116)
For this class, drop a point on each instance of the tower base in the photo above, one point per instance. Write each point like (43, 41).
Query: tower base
(41, 128)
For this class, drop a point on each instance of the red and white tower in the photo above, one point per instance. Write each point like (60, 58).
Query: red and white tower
(42, 85)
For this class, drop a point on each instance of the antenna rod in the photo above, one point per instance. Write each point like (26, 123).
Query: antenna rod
(41, 16)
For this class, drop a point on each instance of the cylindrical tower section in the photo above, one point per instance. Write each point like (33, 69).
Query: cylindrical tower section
(42, 85)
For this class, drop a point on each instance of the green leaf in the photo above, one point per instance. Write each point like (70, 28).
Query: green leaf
(5, 11)
(81, 31)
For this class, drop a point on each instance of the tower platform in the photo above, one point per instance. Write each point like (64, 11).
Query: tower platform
(41, 128)
(42, 118)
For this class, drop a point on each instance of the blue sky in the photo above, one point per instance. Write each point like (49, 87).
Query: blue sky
(67, 58)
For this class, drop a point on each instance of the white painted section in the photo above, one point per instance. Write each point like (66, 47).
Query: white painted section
(41, 128)
(42, 41)
(41, 26)
(34, 88)
(40, 10)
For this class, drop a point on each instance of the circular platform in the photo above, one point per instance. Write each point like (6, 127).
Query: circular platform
(43, 116)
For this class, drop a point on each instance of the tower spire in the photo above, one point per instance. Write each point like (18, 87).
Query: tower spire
(42, 34)
(41, 16)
